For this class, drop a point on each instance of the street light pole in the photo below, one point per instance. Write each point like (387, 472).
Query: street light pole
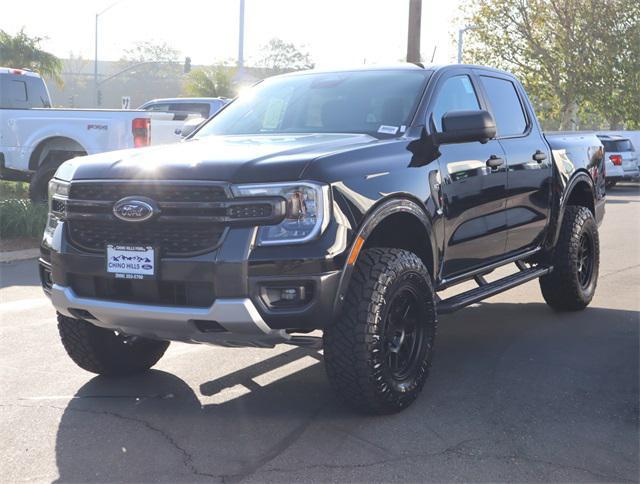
(95, 66)
(461, 40)
(95, 58)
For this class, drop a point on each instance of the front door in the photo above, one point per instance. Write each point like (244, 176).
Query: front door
(474, 192)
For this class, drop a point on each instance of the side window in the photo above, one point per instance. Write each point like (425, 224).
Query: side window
(38, 95)
(505, 106)
(157, 107)
(191, 108)
(456, 94)
(18, 91)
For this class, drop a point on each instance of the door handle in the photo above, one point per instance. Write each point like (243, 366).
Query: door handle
(539, 156)
(494, 161)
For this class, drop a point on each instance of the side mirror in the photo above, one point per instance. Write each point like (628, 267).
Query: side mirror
(190, 126)
(467, 126)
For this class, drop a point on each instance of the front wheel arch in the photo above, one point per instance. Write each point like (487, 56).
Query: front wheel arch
(368, 236)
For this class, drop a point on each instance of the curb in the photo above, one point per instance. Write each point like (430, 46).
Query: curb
(16, 255)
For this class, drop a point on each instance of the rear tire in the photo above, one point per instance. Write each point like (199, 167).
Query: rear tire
(102, 351)
(39, 184)
(379, 350)
(576, 261)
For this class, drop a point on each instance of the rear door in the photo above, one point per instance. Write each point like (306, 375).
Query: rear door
(473, 193)
(528, 161)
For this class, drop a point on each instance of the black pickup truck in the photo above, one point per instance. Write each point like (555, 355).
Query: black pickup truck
(334, 201)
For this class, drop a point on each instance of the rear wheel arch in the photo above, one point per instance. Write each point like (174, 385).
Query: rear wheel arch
(54, 143)
(581, 193)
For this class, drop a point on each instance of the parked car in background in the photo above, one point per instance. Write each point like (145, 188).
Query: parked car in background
(35, 138)
(621, 158)
(190, 111)
(183, 107)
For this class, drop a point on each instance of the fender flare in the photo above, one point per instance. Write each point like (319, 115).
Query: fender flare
(376, 215)
(50, 136)
(578, 177)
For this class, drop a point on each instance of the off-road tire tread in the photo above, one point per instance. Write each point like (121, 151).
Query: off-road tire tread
(86, 345)
(347, 353)
(561, 289)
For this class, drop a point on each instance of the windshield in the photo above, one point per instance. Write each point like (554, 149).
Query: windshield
(617, 146)
(379, 103)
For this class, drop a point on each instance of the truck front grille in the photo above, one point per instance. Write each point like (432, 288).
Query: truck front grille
(190, 219)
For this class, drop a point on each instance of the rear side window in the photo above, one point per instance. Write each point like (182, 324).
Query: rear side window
(38, 95)
(17, 91)
(191, 108)
(617, 146)
(456, 94)
(505, 106)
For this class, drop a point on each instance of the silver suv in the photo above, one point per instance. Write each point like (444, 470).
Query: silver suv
(621, 158)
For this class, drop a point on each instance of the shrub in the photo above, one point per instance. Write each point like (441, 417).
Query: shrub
(21, 218)
(9, 190)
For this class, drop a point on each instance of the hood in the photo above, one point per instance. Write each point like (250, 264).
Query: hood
(236, 159)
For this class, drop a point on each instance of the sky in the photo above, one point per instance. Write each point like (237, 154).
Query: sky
(337, 33)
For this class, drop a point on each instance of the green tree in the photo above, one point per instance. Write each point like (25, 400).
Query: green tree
(164, 59)
(281, 56)
(210, 81)
(23, 51)
(577, 58)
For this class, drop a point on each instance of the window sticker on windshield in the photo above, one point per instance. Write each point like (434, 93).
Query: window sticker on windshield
(388, 129)
(467, 85)
(403, 128)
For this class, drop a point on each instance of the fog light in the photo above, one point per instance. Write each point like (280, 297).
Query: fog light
(286, 296)
(292, 293)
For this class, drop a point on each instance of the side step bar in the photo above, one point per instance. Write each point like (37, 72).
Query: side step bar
(488, 289)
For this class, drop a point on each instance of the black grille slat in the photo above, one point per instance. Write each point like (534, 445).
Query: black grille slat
(168, 192)
(180, 238)
(166, 293)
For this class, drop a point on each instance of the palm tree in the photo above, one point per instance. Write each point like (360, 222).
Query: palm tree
(22, 51)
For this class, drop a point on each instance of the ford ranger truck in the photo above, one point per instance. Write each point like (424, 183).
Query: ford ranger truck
(344, 202)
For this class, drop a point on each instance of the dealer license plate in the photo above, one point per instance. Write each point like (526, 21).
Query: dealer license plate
(131, 262)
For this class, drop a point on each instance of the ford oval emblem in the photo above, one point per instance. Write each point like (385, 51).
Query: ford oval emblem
(132, 209)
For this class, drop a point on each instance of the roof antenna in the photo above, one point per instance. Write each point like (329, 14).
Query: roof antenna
(435, 47)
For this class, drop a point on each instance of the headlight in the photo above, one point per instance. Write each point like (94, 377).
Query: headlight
(306, 213)
(58, 187)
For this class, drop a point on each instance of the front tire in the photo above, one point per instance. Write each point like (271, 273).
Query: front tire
(104, 352)
(378, 352)
(576, 262)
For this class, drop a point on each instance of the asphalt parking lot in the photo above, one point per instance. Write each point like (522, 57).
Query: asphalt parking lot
(517, 393)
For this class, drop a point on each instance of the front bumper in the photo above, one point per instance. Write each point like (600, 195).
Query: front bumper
(237, 271)
(227, 322)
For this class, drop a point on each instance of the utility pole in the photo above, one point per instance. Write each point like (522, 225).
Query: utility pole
(241, 37)
(413, 36)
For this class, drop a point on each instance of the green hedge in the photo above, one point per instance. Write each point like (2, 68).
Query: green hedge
(21, 218)
(10, 190)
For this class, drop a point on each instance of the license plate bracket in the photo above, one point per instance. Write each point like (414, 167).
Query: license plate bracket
(131, 261)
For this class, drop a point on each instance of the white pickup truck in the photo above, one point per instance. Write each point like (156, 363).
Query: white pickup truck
(35, 138)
